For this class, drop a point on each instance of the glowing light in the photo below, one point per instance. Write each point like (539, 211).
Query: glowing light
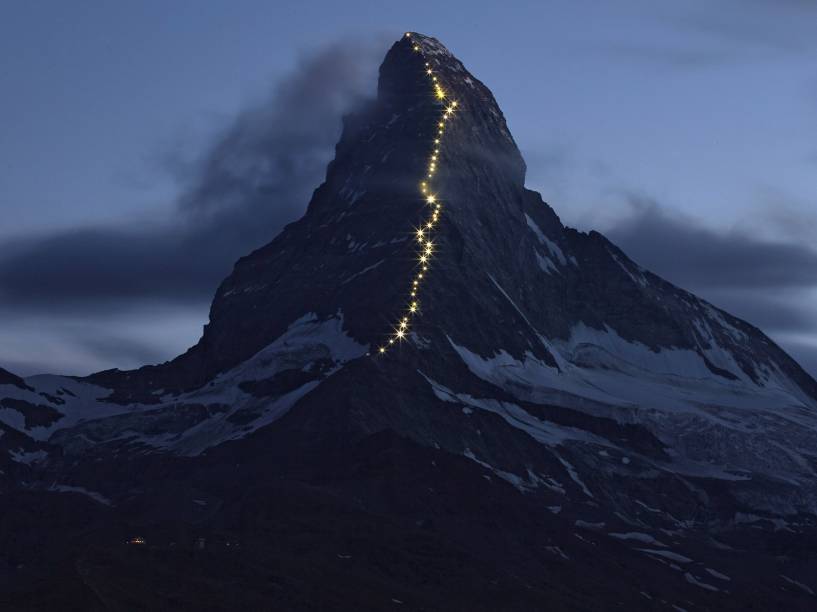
(422, 232)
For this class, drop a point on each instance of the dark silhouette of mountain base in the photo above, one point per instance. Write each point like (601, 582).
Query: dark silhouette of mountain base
(547, 426)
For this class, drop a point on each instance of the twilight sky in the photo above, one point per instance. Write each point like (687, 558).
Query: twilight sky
(147, 145)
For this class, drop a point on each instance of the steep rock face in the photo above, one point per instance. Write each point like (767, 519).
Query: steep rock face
(544, 356)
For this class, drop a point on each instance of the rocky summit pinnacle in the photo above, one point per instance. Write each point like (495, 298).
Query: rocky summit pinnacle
(546, 415)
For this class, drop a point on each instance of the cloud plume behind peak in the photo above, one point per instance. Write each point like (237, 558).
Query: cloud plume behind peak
(254, 176)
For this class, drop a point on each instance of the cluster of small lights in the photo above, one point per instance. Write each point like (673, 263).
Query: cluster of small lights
(424, 233)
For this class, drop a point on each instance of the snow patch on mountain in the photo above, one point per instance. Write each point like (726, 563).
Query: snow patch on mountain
(94, 495)
(554, 248)
(191, 422)
(542, 431)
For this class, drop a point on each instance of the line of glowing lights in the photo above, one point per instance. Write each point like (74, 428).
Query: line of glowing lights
(423, 233)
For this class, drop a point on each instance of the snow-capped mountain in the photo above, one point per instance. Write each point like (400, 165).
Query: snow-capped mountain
(431, 315)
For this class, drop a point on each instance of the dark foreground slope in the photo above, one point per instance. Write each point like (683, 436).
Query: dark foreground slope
(559, 428)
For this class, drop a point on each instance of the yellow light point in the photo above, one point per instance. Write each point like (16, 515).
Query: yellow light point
(454, 104)
(391, 340)
(431, 199)
(408, 34)
(429, 225)
(382, 349)
(420, 275)
(413, 307)
(400, 334)
(420, 234)
(436, 141)
(403, 325)
(428, 71)
(429, 248)
(440, 94)
(416, 47)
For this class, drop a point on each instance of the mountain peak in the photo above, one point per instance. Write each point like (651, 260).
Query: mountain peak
(537, 364)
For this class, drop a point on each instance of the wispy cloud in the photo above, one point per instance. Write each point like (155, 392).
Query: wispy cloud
(255, 176)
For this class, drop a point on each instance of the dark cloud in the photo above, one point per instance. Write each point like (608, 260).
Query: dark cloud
(777, 26)
(252, 179)
(694, 256)
(725, 31)
(89, 298)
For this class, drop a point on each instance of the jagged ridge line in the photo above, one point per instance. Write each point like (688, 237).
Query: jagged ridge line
(423, 232)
